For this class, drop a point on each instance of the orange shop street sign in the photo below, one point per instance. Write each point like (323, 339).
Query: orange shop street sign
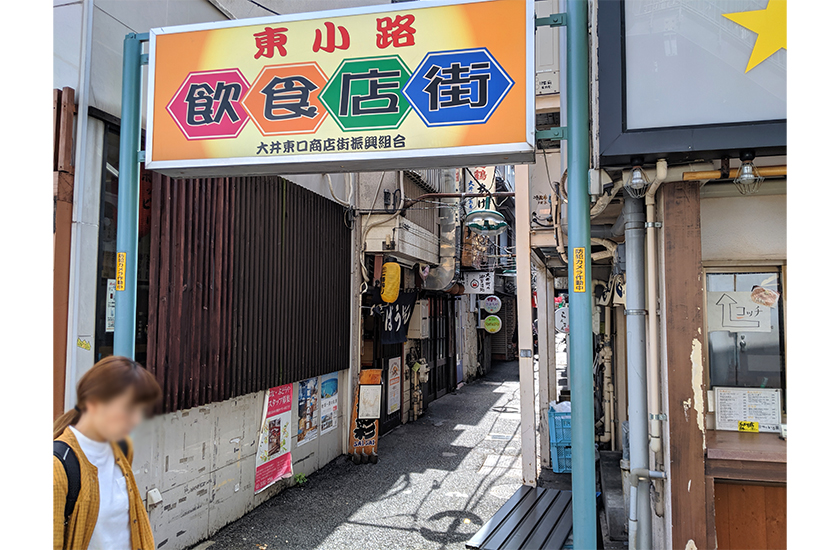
(408, 85)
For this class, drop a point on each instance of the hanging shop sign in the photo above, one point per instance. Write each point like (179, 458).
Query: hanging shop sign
(395, 316)
(274, 458)
(433, 83)
(479, 282)
(492, 324)
(492, 304)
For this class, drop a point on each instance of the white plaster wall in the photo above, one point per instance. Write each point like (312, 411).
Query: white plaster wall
(113, 19)
(744, 228)
(203, 462)
(67, 42)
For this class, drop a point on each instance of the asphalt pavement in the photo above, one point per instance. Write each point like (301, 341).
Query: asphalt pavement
(438, 480)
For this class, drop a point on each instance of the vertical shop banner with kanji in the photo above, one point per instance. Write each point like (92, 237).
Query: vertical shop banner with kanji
(329, 402)
(376, 87)
(394, 368)
(274, 458)
(307, 411)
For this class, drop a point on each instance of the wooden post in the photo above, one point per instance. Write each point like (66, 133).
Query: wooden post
(63, 107)
(683, 306)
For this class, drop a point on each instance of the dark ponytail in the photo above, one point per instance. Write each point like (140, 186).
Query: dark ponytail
(105, 380)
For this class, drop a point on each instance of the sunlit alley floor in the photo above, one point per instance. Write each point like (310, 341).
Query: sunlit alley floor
(438, 480)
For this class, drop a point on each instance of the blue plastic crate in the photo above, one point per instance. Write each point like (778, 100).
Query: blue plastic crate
(561, 458)
(559, 427)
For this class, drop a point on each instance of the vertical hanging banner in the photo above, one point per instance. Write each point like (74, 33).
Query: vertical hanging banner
(394, 367)
(307, 411)
(274, 458)
(329, 402)
(430, 83)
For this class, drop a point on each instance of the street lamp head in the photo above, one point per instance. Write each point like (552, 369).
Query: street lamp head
(486, 222)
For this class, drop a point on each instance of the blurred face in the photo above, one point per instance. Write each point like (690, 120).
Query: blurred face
(115, 419)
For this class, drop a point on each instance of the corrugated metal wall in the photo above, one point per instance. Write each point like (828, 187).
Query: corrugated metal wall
(249, 287)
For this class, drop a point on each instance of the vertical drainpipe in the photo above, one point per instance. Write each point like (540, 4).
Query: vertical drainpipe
(580, 302)
(128, 200)
(443, 276)
(639, 525)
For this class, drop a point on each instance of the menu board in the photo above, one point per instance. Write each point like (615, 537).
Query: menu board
(761, 405)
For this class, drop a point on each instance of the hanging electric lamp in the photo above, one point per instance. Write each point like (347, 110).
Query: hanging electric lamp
(748, 180)
(637, 182)
(485, 221)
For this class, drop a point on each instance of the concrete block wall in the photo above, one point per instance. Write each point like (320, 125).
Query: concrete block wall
(203, 461)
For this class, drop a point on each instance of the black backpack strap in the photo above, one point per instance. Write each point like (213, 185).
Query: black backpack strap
(123, 445)
(65, 454)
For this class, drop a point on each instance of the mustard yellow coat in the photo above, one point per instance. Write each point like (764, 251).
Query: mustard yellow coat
(79, 529)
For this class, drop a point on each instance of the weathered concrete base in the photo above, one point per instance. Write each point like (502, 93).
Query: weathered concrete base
(203, 462)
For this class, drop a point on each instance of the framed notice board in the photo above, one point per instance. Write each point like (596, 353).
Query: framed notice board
(736, 406)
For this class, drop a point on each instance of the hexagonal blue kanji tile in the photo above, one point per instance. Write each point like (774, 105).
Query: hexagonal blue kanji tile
(457, 87)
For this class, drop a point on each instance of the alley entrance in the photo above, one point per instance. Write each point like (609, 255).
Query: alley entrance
(438, 480)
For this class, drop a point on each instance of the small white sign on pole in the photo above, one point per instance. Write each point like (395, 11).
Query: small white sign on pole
(478, 282)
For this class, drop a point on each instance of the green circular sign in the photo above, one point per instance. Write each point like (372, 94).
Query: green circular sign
(492, 324)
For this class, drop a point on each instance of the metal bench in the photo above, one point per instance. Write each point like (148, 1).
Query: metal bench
(533, 518)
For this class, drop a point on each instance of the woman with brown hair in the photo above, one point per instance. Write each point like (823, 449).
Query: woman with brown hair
(96, 504)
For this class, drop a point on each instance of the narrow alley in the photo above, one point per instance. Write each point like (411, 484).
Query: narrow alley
(437, 481)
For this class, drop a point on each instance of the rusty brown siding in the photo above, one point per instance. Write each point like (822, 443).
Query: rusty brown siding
(249, 287)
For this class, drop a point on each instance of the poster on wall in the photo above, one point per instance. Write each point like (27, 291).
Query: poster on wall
(393, 385)
(274, 459)
(307, 411)
(329, 402)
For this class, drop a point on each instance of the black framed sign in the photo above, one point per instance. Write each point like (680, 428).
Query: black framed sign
(687, 80)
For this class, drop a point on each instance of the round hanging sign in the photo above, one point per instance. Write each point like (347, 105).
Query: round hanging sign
(492, 324)
(492, 304)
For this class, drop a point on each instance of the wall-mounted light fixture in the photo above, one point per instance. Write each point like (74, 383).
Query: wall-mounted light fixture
(748, 180)
(637, 182)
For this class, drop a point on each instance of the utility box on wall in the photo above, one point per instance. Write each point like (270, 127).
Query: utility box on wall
(418, 326)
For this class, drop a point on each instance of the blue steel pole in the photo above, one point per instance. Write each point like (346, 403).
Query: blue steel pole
(128, 199)
(580, 299)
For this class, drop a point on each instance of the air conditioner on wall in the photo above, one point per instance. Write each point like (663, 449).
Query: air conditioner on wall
(403, 239)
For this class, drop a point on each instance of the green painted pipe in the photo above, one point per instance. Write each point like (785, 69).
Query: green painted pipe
(128, 201)
(584, 513)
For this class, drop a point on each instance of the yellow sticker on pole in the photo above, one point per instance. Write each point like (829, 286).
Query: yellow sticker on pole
(120, 270)
(747, 426)
(579, 273)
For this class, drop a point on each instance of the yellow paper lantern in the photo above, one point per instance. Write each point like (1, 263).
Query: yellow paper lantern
(390, 282)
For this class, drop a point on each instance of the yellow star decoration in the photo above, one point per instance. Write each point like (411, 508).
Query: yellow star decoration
(770, 24)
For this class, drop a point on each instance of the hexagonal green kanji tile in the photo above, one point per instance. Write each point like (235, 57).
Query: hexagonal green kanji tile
(366, 93)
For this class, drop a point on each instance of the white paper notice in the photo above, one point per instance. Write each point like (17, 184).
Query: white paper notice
(762, 405)
(370, 400)
(736, 312)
